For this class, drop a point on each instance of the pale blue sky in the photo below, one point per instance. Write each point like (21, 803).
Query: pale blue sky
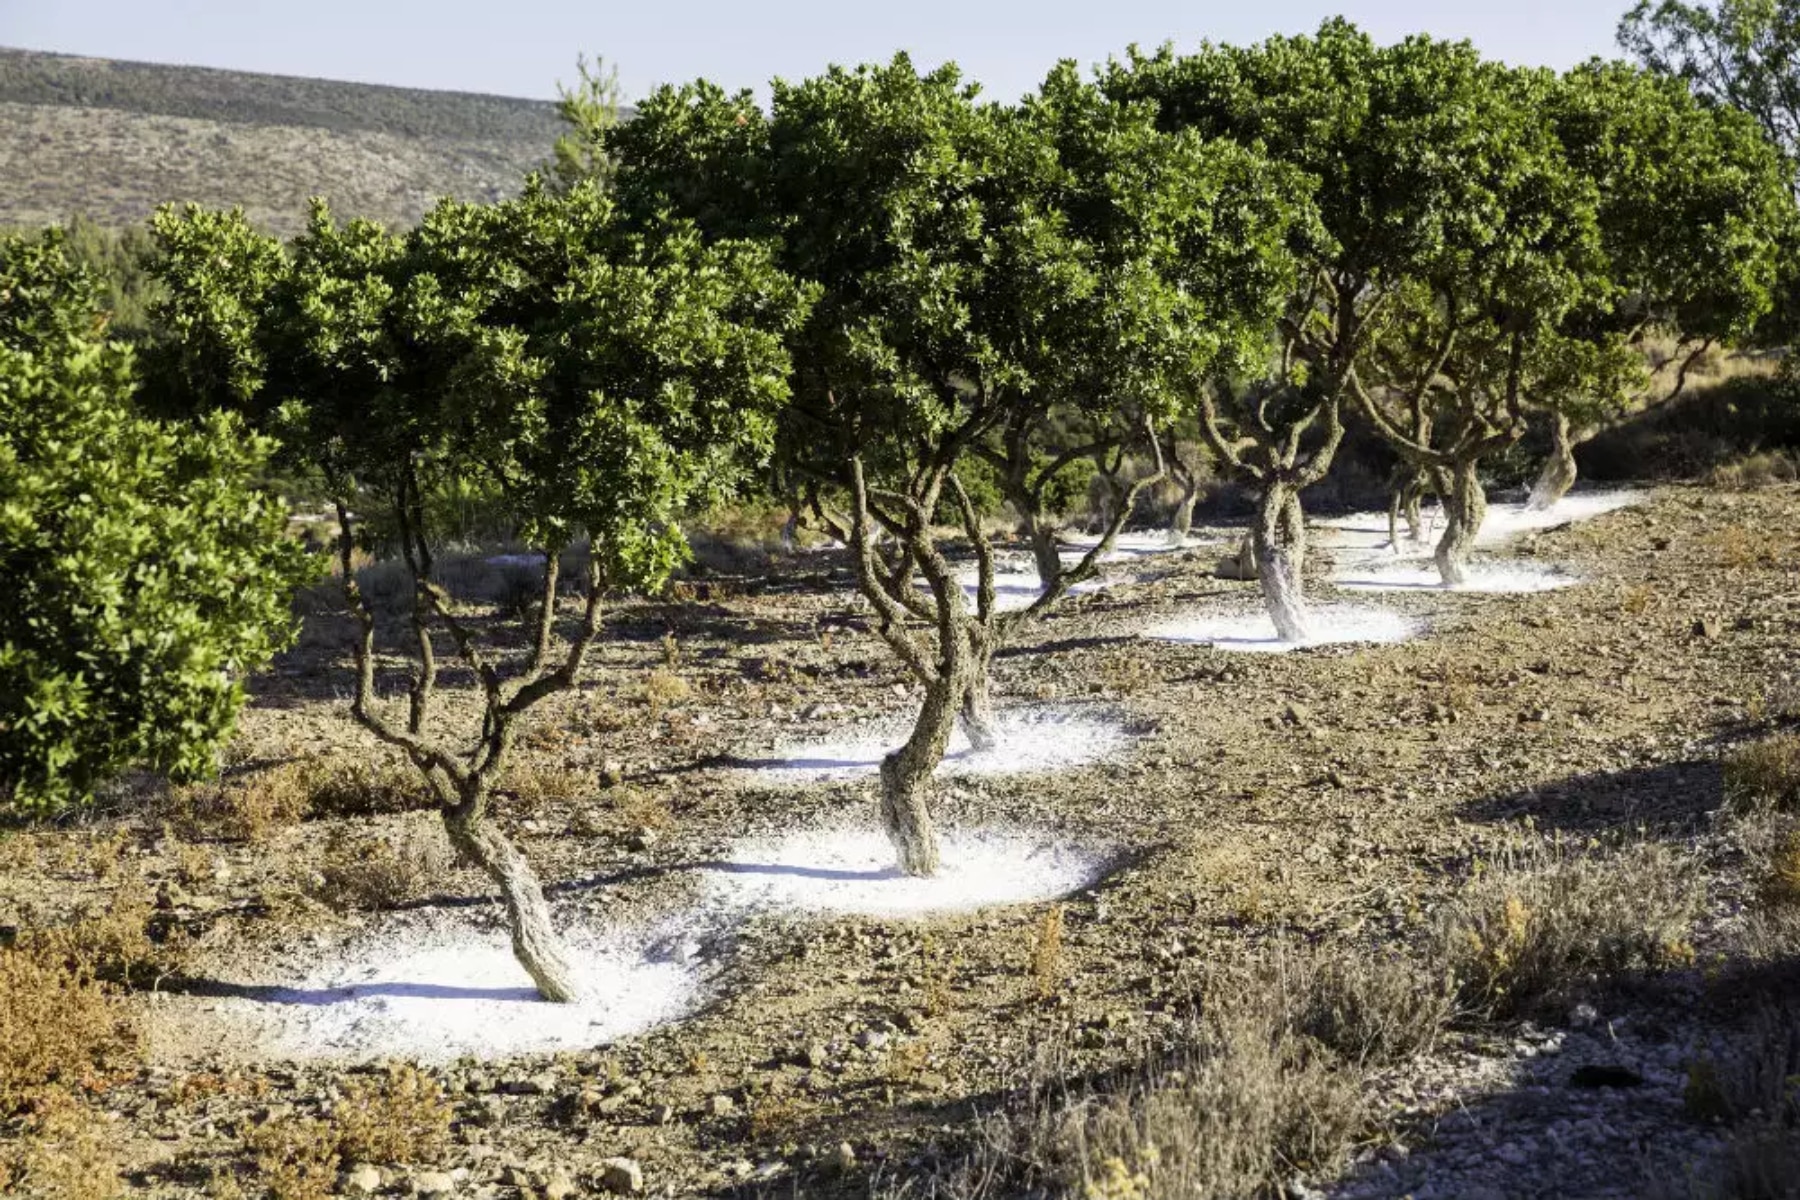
(522, 47)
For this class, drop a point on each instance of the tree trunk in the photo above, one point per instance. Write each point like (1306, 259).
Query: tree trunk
(978, 705)
(1279, 537)
(534, 938)
(1558, 475)
(906, 775)
(1183, 520)
(1045, 553)
(1465, 507)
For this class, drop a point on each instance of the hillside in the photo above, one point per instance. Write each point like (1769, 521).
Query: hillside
(112, 140)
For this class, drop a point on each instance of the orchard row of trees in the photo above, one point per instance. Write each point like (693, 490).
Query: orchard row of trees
(885, 295)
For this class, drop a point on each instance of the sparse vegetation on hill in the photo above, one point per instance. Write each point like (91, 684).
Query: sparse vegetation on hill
(112, 140)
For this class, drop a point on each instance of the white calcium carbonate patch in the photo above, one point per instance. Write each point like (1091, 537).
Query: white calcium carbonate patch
(853, 871)
(1129, 546)
(1489, 575)
(447, 989)
(1364, 536)
(1331, 624)
(1016, 587)
(1506, 521)
(1028, 739)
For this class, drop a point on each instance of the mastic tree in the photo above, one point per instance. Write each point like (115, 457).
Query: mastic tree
(1385, 136)
(1480, 332)
(146, 573)
(596, 379)
(989, 276)
(1612, 205)
(1694, 206)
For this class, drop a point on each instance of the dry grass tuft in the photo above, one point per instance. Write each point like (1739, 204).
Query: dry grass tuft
(66, 1150)
(1047, 953)
(664, 689)
(372, 872)
(1371, 1010)
(1764, 775)
(58, 1026)
(125, 941)
(1743, 548)
(1549, 924)
(1244, 1102)
(296, 1158)
(534, 782)
(400, 1116)
(1753, 472)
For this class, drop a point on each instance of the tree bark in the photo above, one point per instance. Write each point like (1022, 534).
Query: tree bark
(1465, 508)
(1279, 538)
(978, 704)
(1183, 520)
(1045, 552)
(1558, 475)
(906, 775)
(536, 944)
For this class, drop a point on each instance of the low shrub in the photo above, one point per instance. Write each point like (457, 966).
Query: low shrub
(295, 1157)
(63, 1150)
(400, 1116)
(1548, 924)
(1754, 471)
(1242, 1104)
(58, 1026)
(1372, 1009)
(1764, 775)
(368, 871)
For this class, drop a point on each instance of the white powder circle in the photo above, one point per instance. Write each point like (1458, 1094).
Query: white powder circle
(1331, 624)
(1494, 576)
(1015, 587)
(449, 989)
(1506, 521)
(1027, 739)
(853, 871)
(1128, 546)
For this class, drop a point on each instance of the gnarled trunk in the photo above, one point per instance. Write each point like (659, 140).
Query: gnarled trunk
(1465, 508)
(1558, 475)
(978, 704)
(1279, 538)
(1183, 520)
(535, 941)
(1045, 553)
(906, 775)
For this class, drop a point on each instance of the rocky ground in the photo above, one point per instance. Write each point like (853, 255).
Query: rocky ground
(1337, 794)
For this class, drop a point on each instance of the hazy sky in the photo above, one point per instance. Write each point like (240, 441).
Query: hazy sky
(523, 47)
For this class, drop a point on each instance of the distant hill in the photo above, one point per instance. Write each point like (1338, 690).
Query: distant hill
(111, 140)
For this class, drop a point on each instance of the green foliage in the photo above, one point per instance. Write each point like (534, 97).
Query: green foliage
(1741, 54)
(590, 109)
(1019, 274)
(146, 575)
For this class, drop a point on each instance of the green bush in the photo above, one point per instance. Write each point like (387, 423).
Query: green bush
(144, 573)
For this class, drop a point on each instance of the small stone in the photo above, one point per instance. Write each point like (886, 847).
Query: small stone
(641, 839)
(1582, 1016)
(1296, 715)
(433, 1183)
(560, 1187)
(612, 772)
(662, 1114)
(873, 1039)
(1707, 628)
(622, 1176)
(842, 1160)
(721, 1105)
(363, 1179)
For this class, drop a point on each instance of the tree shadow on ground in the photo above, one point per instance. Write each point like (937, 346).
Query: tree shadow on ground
(1665, 800)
